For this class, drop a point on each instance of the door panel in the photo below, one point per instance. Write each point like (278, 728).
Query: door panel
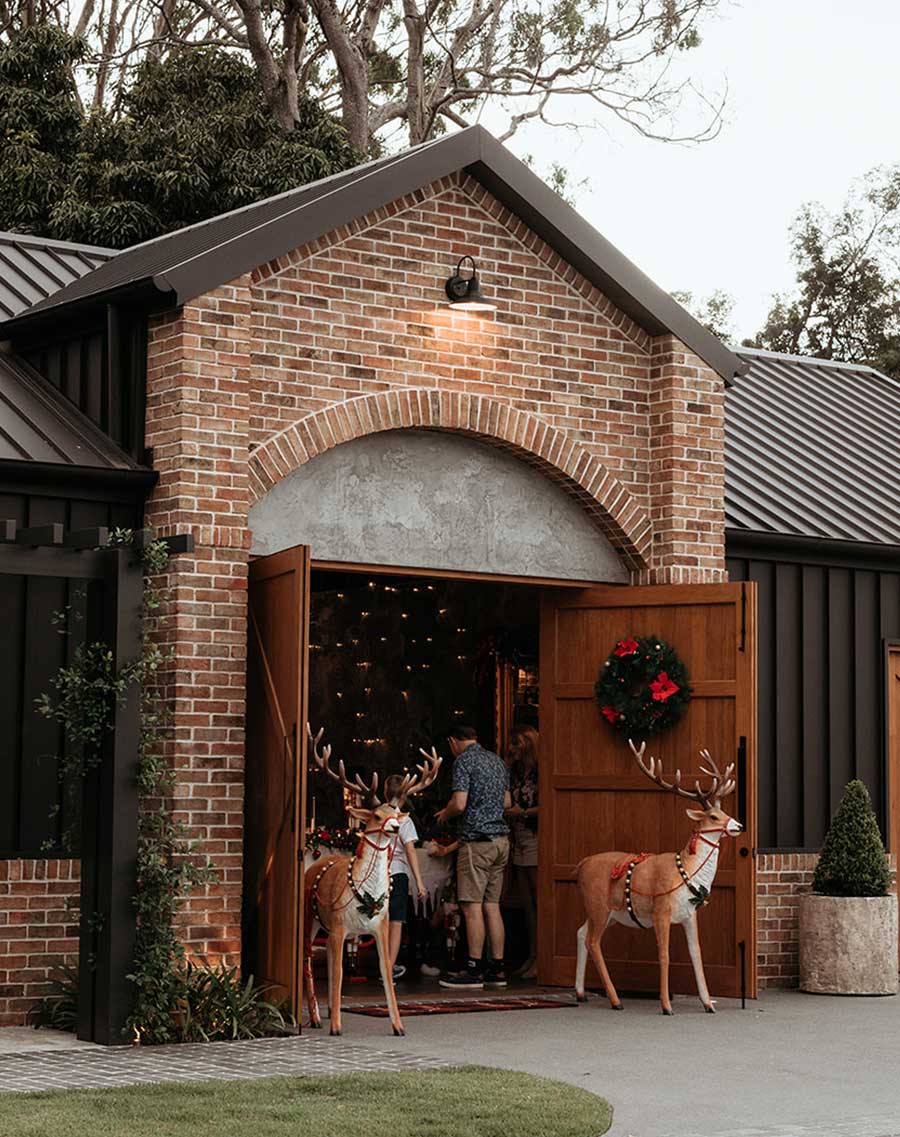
(274, 796)
(594, 798)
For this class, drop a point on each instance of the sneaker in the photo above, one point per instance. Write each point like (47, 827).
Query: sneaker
(429, 970)
(398, 971)
(467, 978)
(495, 976)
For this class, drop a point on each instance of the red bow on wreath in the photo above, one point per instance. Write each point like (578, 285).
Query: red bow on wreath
(663, 688)
(626, 647)
(610, 714)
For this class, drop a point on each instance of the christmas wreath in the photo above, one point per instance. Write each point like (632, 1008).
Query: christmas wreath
(643, 687)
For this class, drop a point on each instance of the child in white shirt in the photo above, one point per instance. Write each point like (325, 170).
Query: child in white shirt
(404, 861)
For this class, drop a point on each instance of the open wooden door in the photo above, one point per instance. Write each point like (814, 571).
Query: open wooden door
(594, 798)
(275, 782)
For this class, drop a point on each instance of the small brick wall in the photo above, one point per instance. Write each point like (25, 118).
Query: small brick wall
(38, 930)
(780, 879)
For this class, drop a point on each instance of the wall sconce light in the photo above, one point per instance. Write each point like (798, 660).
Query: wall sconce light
(464, 293)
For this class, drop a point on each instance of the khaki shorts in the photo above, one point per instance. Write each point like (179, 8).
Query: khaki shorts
(479, 870)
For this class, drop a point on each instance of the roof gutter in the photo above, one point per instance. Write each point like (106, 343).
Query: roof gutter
(139, 293)
(816, 550)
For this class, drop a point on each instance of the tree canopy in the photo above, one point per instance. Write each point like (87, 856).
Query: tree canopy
(192, 138)
(846, 304)
(403, 71)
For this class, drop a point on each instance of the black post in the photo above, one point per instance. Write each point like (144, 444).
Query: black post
(743, 948)
(109, 827)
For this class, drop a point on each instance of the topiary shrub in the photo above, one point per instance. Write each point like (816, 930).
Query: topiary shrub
(853, 861)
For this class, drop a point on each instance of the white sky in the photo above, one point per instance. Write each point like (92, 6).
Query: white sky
(814, 93)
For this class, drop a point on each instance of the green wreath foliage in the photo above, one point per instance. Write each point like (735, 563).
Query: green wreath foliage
(643, 687)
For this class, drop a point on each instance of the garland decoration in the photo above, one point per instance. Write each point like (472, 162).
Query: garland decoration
(643, 687)
(331, 838)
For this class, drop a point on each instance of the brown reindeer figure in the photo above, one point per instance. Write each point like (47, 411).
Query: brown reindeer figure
(348, 896)
(657, 890)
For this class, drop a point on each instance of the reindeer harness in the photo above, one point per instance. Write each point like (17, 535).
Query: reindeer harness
(699, 896)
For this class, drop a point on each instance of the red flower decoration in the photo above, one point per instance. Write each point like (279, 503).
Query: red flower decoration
(626, 647)
(663, 687)
(610, 714)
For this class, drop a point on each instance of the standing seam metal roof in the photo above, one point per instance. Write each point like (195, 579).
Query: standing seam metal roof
(34, 268)
(812, 449)
(38, 424)
(192, 261)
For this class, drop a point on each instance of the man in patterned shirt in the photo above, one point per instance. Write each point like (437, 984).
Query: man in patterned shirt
(480, 795)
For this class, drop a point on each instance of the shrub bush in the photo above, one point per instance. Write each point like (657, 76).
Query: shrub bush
(209, 1004)
(853, 861)
(59, 1009)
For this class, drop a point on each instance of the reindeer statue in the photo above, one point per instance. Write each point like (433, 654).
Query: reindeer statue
(657, 890)
(348, 896)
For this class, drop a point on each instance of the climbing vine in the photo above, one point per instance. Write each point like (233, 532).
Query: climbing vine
(83, 700)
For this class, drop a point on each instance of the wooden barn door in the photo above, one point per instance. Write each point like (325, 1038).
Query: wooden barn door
(594, 798)
(274, 801)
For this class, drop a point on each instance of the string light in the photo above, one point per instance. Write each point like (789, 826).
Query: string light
(364, 615)
(340, 595)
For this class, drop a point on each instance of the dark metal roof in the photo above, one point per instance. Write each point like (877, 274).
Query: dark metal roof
(812, 449)
(34, 268)
(38, 424)
(199, 258)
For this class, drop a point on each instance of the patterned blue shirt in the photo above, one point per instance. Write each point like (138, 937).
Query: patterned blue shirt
(483, 776)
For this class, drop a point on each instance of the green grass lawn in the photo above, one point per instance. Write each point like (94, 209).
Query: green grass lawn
(469, 1101)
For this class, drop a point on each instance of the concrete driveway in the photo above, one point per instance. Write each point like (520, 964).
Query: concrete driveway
(791, 1065)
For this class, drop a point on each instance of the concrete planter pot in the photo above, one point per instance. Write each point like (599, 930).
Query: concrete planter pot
(848, 945)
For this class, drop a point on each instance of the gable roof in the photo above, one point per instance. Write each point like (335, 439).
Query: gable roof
(812, 449)
(37, 424)
(185, 264)
(34, 268)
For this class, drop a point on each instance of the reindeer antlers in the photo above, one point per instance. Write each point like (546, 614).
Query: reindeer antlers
(323, 761)
(721, 786)
(427, 772)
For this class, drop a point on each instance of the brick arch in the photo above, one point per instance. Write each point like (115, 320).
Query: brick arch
(615, 511)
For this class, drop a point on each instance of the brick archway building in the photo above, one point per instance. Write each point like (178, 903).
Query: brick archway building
(287, 328)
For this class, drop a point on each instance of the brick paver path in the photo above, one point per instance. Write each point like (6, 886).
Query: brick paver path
(200, 1062)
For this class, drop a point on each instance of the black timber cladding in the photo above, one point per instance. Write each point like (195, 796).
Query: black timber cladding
(192, 261)
(33, 268)
(824, 617)
(812, 455)
(812, 449)
(38, 425)
(33, 805)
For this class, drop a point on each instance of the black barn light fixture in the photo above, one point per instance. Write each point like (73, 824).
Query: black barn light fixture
(464, 292)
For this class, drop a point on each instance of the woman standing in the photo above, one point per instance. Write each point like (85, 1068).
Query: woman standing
(523, 818)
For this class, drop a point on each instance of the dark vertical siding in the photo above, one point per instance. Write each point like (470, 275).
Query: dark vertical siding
(788, 635)
(31, 651)
(822, 629)
(841, 682)
(816, 705)
(109, 387)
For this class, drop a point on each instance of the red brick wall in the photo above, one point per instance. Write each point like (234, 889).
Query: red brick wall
(360, 312)
(350, 334)
(38, 930)
(781, 880)
(197, 418)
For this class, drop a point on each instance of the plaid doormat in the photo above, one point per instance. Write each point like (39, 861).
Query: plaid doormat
(464, 1006)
